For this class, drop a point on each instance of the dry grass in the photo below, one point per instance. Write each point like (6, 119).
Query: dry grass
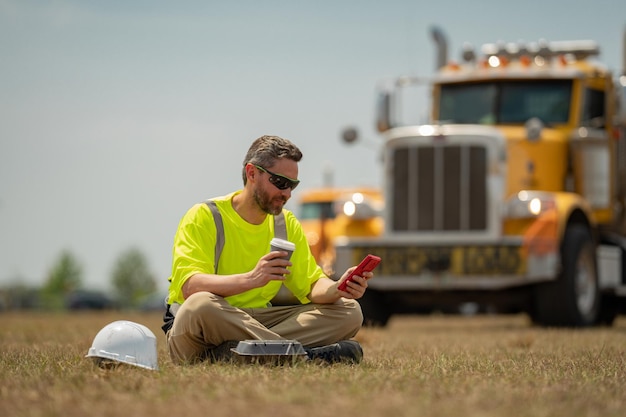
(418, 366)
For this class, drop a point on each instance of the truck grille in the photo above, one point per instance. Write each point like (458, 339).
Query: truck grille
(439, 188)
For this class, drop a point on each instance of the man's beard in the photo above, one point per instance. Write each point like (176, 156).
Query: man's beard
(267, 204)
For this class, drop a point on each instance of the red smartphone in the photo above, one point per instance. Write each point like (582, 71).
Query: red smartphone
(367, 265)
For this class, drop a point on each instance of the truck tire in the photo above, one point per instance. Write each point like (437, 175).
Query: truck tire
(573, 299)
(376, 313)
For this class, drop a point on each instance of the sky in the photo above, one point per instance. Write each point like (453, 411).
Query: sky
(117, 116)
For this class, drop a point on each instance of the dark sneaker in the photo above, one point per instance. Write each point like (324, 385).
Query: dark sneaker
(345, 351)
(223, 352)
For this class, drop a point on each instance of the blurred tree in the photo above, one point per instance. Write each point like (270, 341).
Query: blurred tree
(64, 277)
(132, 279)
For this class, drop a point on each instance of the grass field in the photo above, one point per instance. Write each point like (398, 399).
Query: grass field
(417, 366)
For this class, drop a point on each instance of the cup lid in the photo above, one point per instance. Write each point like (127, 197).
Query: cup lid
(283, 244)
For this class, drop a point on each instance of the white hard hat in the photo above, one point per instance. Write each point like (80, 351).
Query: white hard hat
(127, 342)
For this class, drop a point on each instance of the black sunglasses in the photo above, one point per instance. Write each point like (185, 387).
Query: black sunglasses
(280, 181)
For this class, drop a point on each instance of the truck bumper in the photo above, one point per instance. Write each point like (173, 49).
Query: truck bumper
(494, 266)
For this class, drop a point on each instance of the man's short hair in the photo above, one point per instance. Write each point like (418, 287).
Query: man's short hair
(265, 150)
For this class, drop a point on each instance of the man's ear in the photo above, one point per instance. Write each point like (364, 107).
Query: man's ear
(250, 171)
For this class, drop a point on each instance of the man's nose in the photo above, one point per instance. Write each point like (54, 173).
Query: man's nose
(286, 193)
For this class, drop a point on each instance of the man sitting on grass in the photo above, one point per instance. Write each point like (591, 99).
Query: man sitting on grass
(217, 298)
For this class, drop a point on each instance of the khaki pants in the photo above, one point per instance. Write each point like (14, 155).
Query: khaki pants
(205, 320)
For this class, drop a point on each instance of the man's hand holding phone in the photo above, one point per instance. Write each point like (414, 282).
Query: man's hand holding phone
(367, 265)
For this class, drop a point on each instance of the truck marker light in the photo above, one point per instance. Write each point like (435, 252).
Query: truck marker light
(494, 61)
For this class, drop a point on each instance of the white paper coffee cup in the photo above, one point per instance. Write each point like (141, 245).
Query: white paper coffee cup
(282, 245)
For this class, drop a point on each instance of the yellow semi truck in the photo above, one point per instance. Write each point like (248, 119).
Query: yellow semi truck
(512, 196)
(328, 213)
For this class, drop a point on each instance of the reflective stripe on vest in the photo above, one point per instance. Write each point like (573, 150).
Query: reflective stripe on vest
(280, 231)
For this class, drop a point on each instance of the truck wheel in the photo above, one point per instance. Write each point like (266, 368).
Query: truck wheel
(573, 299)
(376, 313)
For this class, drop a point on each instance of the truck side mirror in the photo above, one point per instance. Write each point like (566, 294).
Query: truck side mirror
(350, 135)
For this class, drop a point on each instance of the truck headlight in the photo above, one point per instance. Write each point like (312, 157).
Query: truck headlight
(349, 208)
(528, 204)
(357, 206)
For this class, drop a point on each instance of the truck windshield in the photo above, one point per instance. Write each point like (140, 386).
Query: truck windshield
(506, 102)
(317, 210)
